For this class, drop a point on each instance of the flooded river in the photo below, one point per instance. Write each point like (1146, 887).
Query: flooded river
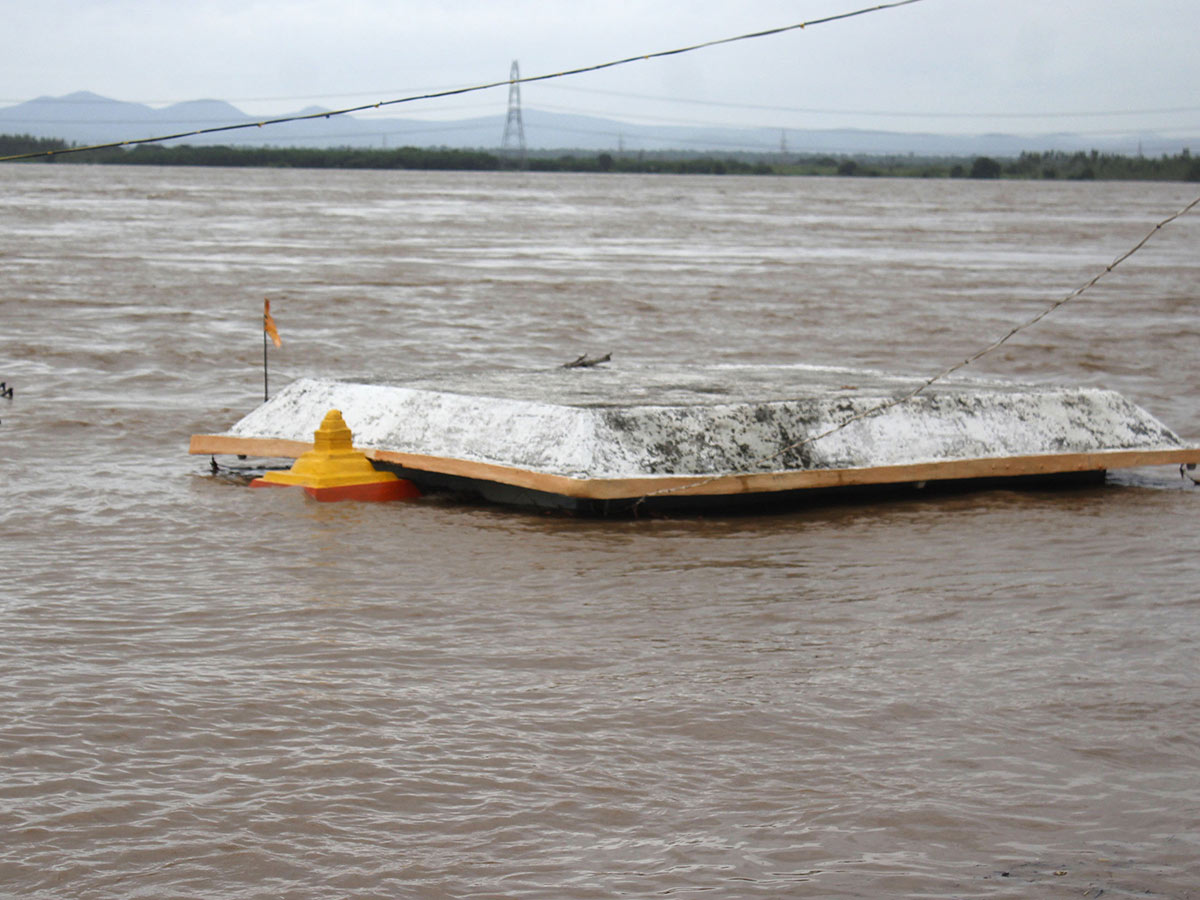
(210, 691)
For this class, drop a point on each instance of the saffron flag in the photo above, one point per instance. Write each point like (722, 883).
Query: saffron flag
(269, 324)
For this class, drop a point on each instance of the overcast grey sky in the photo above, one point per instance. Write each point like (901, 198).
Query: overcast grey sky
(954, 66)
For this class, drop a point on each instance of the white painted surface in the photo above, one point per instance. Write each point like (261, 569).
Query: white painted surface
(620, 423)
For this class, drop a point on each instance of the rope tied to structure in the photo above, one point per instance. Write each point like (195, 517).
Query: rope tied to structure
(945, 373)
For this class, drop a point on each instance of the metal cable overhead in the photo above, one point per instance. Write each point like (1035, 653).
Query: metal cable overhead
(467, 90)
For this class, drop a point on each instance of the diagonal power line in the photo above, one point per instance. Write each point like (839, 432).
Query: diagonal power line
(471, 89)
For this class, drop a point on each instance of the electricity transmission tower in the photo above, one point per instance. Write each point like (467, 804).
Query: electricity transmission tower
(512, 146)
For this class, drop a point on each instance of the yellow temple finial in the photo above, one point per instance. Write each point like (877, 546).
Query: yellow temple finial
(334, 470)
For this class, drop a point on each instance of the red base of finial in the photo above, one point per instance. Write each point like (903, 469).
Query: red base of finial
(376, 492)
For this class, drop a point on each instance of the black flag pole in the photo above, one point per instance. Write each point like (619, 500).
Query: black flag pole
(269, 330)
(265, 394)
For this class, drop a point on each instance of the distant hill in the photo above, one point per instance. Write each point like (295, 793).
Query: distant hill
(85, 118)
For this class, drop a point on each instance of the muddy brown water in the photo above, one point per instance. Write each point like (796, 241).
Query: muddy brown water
(210, 691)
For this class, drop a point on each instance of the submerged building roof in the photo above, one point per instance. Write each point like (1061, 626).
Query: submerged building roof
(628, 430)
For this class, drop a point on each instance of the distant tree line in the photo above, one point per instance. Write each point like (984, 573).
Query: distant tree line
(1104, 166)
(1053, 165)
(411, 158)
(15, 144)
(1047, 165)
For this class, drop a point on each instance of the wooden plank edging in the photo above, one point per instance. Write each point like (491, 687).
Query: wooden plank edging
(743, 483)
